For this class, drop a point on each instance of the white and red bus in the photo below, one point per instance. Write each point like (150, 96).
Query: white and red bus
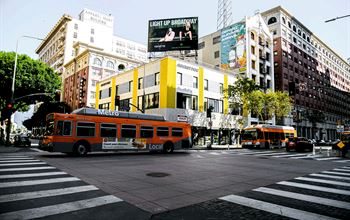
(89, 130)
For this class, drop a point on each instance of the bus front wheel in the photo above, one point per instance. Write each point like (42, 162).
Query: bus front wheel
(80, 149)
(168, 147)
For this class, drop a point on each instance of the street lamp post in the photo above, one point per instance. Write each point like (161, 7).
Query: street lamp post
(8, 129)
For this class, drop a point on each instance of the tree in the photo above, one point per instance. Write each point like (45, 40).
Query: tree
(39, 117)
(248, 96)
(32, 76)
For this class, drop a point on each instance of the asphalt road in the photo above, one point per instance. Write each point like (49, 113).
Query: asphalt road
(233, 184)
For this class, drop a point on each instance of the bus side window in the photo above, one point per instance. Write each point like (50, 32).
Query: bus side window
(146, 132)
(108, 130)
(176, 132)
(67, 128)
(260, 134)
(128, 131)
(59, 128)
(85, 129)
(162, 131)
(267, 135)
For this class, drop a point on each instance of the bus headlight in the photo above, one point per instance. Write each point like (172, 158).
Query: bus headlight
(257, 143)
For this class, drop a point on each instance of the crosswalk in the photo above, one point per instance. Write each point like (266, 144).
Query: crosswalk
(30, 188)
(324, 195)
(273, 154)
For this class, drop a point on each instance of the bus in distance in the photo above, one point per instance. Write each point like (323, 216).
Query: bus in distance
(90, 130)
(267, 136)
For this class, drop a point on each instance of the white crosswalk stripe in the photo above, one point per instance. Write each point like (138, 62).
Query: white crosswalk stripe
(267, 198)
(298, 196)
(329, 158)
(21, 164)
(17, 161)
(12, 176)
(342, 161)
(339, 169)
(59, 208)
(273, 208)
(290, 155)
(46, 187)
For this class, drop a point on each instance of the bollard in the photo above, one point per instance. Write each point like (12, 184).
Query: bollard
(313, 149)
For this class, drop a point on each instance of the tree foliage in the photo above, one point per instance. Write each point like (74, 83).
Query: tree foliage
(248, 96)
(39, 117)
(32, 76)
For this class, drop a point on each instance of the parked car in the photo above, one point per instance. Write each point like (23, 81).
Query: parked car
(22, 140)
(299, 144)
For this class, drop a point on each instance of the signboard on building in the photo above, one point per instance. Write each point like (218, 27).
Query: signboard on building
(95, 17)
(173, 34)
(233, 49)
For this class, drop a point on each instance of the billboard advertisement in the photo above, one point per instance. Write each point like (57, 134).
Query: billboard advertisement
(233, 48)
(173, 34)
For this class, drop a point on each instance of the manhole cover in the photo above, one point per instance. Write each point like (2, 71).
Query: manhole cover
(157, 174)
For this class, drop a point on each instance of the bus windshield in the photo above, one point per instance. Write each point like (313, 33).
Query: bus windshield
(250, 135)
(50, 124)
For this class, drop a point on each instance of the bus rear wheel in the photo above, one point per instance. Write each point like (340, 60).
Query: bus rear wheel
(168, 147)
(80, 149)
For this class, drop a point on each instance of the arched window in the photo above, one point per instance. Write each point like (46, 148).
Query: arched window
(252, 36)
(272, 20)
(97, 62)
(283, 20)
(110, 64)
(308, 39)
(289, 24)
(294, 28)
(304, 36)
(299, 32)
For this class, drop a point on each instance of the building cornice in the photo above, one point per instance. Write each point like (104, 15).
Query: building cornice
(65, 18)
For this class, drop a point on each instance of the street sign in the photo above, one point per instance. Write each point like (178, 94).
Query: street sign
(340, 145)
(340, 128)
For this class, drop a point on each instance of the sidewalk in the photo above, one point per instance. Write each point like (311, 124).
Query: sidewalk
(216, 147)
(12, 149)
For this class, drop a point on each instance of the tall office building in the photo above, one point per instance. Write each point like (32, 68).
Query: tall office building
(92, 30)
(243, 48)
(317, 77)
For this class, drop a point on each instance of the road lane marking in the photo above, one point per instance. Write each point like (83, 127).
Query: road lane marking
(337, 173)
(339, 169)
(37, 182)
(46, 193)
(274, 208)
(342, 161)
(308, 156)
(328, 158)
(15, 158)
(20, 164)
(330, 176)
(27, 168)
(271, 154)
(323, 181)
(313, 187)
(17, 161)
(253, 153)
(303, 197)
(12, 176)
(290, 155)
(59, 208)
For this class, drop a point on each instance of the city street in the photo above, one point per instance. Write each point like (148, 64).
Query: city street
(196, 184)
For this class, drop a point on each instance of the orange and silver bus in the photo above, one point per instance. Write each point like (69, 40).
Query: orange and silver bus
(89, 130)
(267, 136)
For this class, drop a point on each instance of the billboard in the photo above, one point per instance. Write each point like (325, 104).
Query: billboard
(173, 34)
(233, 48)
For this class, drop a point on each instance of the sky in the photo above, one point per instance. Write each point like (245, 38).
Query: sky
(37, 17)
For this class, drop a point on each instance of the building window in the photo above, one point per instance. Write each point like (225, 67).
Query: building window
(216, 54)
(206, 85)
(195, 82)
(130, 86)
(76, 26)
(75, 35)
(92, 31)
(186, 101)
(216, 39)
(283, 20)
(156, 79)
(179, 78)
(252, 48)
(91, 39)
(221, 88)
(105, 93)
(289, 24)
(148, 101)
(252, 36)
(110, 64)
(97, 62)
(294, 28)
(201, 45)
(140, 83)
(271, 20)
(253, 64)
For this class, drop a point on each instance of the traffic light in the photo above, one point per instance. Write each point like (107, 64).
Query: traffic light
(8, 110)
(291, 88)
(209, 110)
(117, 100)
